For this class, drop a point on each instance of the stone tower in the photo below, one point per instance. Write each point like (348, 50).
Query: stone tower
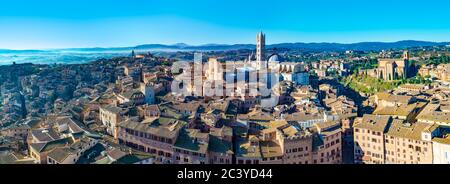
(406, 55)
(149, 92)
(133, 55)
(260, 49)
(407, 63)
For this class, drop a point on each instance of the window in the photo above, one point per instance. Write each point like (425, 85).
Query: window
(418, 149)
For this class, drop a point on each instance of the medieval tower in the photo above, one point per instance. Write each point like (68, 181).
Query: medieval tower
(260, 50)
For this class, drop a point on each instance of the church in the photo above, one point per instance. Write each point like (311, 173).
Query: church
(392, 69)
(274, 65)
(252, 80)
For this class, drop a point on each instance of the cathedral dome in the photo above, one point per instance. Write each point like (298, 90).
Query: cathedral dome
(275, 58)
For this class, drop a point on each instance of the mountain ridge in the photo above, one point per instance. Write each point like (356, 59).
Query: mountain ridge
(321, 46)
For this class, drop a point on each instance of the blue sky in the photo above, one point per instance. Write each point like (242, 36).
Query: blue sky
(101, 23)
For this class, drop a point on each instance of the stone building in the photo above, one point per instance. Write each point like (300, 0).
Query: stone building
(393, 69)
(385, 140)
(279, 142)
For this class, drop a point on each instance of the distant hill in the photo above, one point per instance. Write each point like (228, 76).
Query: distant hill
(83, 55)
(362, 46)
(7, 51)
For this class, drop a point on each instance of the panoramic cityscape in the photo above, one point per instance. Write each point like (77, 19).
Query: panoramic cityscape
(270, 100)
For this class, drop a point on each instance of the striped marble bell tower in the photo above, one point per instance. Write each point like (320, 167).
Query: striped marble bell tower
(260, 49)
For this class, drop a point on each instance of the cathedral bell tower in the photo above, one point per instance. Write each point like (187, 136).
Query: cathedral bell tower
(261, 50)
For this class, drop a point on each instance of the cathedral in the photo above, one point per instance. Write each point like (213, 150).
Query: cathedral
(274, 65)
(254, 80)
(393, 69)
(255, 72)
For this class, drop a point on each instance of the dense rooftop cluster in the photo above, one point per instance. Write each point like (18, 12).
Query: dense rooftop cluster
(122, 110)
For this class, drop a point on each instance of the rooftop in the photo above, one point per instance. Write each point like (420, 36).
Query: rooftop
(247, 150)
(45, 135)
(219, 145)
(400, 110)
(163, 127)
(374, 122)
(112, 109)
(193, 140)
(60, 154)
(434, 113)
(130, 93)
(45, 147)
(394, 98)
(401, 129)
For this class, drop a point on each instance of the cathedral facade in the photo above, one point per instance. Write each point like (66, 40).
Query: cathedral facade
(291, 71)
(239, 78)
(393, 69)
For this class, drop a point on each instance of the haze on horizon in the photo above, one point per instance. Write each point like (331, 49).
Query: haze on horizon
(26, 24)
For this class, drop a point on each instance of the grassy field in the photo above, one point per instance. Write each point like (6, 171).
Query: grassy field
(369, 85)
